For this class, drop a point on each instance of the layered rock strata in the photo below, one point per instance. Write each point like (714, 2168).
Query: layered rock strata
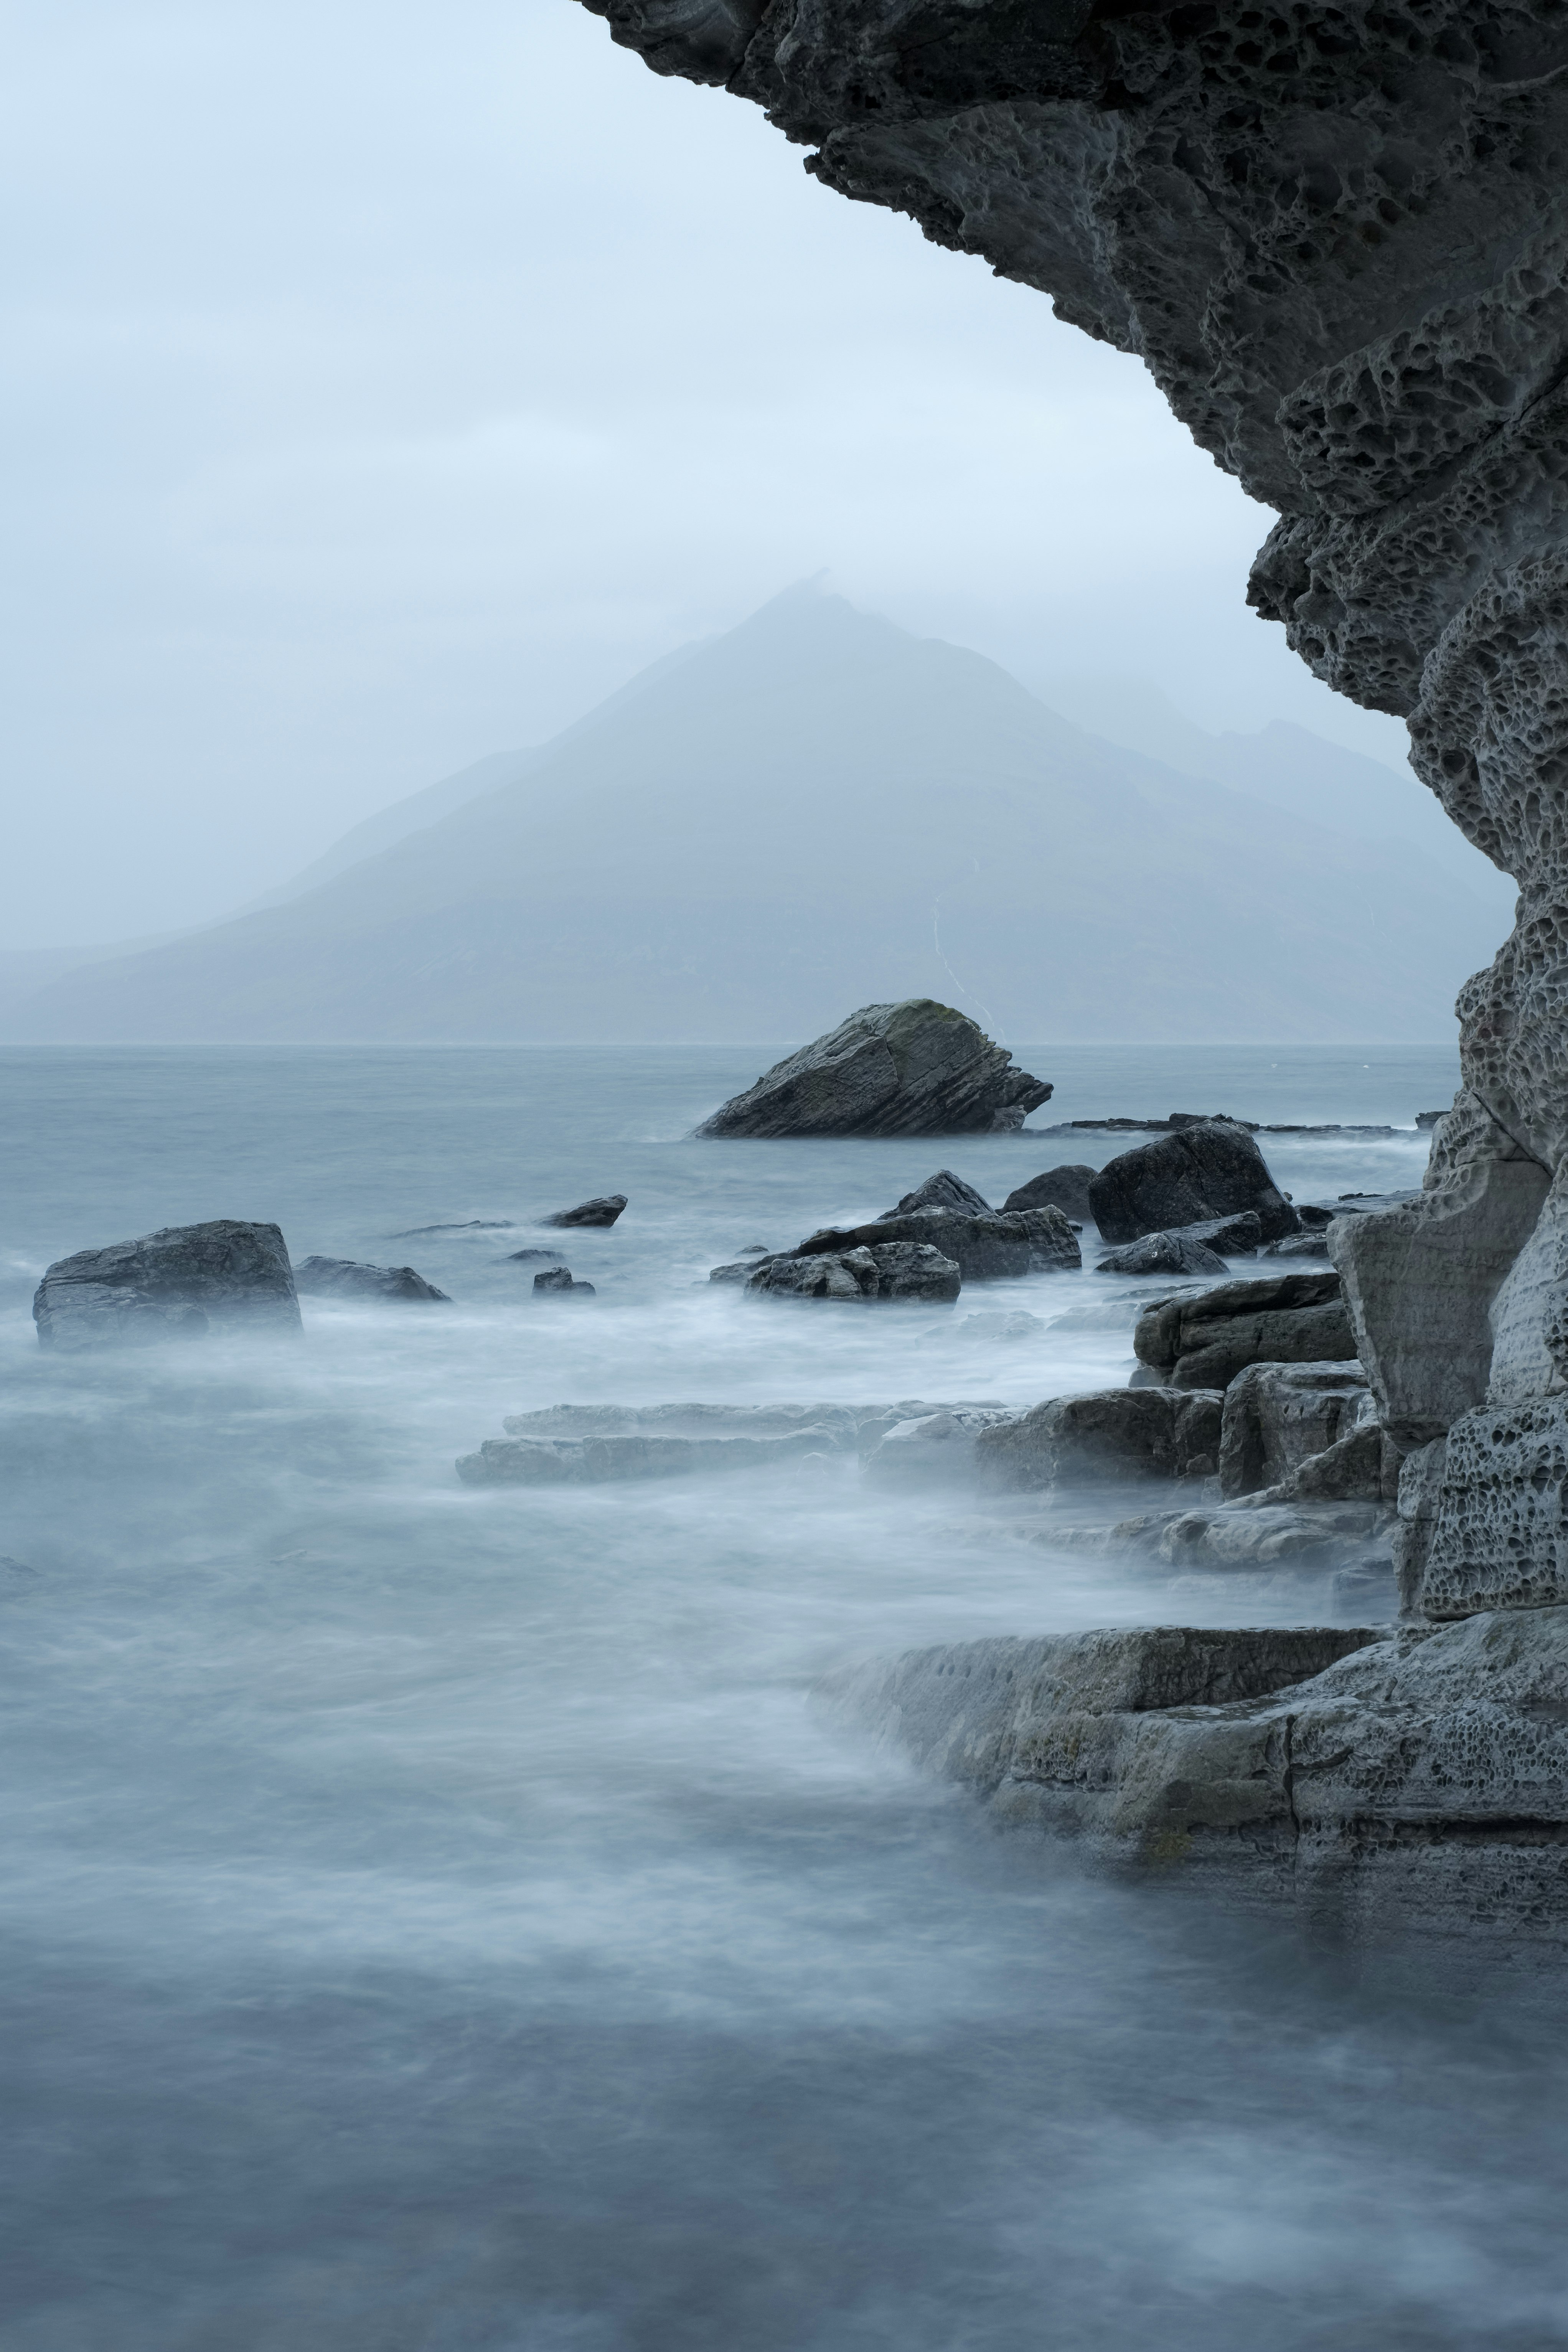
(1370, 1781)
(915, 1068)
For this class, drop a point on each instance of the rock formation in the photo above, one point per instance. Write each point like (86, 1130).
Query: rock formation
(1369, 1782)
(916, 1069)
(890, 1269)
(1065, 1187)
(181, 1282)
(344, 1278)
(602, 1211)
(1107, 1438)
(1211, 1167)
(1187, 1249)
(1336, 236)
(1202, 1339)
(557, 1282)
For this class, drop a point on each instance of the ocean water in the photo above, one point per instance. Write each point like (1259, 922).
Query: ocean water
(437, 1920)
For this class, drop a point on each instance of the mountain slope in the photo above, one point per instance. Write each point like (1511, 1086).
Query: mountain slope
(813, 811)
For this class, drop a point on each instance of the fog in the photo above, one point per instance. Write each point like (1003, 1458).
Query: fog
(440, 1916)
(388, 386)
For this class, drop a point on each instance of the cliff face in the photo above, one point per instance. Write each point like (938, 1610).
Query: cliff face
(1336, 234)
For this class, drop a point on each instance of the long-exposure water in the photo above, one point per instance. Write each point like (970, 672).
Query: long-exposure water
(438, 1919)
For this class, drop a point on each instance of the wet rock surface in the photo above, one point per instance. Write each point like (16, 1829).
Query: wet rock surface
(345, 1277)
(1370, 1780)
(1212, 1169)
(1190, 1249)
(1108, 1437)
(894, 1269)
(1202, 1339)
(1065, 1187)
(180, 1282)
(992, 1247)
(914, 1069)
(557, 1282)
(602, 1211)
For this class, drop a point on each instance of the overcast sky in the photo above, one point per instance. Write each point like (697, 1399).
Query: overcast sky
(387, 384)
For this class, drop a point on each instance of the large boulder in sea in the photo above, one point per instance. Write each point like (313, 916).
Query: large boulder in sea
(182, 1282)
(988, 1248)
(915, 1068)
(894, 1269)
(1213, 1169)
(1065, 1187)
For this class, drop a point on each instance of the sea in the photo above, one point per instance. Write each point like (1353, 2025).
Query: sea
(441, 1918)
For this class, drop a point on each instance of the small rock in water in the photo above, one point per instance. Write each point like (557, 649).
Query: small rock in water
(893, 1270)
(347, 1278)
(556, 1282)
(590, 1213)
(1175, 1253)
(1017, 1325)
(944, 1191)
(469, 1225)
(1065, 1187)
(1308, 1244)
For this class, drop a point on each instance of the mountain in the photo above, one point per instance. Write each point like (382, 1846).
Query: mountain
(817, 811)
(1289, 767)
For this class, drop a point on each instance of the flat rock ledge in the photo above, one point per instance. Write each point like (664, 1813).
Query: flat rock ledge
(1373, 1782)
(914, 1069)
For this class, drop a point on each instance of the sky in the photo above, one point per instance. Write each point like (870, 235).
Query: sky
(386, 385)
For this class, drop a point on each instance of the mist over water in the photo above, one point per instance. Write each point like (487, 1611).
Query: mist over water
(438, 1920)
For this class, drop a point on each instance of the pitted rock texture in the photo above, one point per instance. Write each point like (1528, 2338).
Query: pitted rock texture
(1372, 1782)
(915, 1068)
(1337, 236)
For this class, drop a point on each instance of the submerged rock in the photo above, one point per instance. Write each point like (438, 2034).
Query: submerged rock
(1375, 1782)
(1212, 1169)
(1201, 1339)
(1188, 1249)
(986, 1248)
(179, 1282)
(345, 1277)
(1108, 1436)
(895, 1269)
(556, 1282)
(914, 1069)
(931, 1447)
(1065, 1187)
(590, 1213)
(576, 1444)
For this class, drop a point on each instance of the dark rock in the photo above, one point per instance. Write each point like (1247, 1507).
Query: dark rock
(1190, 1249)
(1065, 1187)
(990, 1248)
(590, 1213)
(1212, 1170)
(897, 1269)
(179, 1282)
(346, 1278)
(915, 1068)
(470, 1226)
(1201, 1339)
(1112, 1435)
(556, 1282)
(1178, 1252)
(535, 1256)
(944, 1191)
(1314, 1242)
(1277, 1416)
